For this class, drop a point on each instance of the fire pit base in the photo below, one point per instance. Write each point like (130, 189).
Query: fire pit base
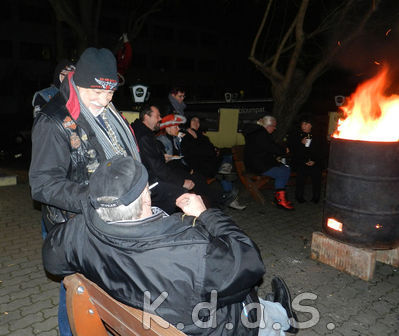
(356, 261)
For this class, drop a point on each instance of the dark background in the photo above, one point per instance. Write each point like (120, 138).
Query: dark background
(201, 45)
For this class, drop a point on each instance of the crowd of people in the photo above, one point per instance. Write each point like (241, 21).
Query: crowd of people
(140, 207)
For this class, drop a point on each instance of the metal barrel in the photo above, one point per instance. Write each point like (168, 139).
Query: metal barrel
(362, 193)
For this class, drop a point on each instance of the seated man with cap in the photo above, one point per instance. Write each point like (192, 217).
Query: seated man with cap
(185, 261)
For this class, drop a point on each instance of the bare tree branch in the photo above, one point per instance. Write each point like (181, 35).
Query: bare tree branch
(300, 39)
(328, 22)
(274, 75)
(261, 27)
(291, 88)
(320, 67)
(135, 25)
(66, 14)
(283, 42)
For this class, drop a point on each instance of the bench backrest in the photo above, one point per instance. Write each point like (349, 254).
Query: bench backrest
(238, 158)
(91, 311)
(252, 182)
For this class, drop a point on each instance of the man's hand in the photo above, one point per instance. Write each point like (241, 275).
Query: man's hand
(188, 184)
(168, 157)
(310, 163)
(191, 204)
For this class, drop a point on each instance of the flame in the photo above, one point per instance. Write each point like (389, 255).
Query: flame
(369, 115)
(334, 224)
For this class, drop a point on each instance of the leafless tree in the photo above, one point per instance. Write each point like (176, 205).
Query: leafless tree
(295, 45)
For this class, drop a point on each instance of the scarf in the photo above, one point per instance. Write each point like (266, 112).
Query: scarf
(178, 107)
(112, 145)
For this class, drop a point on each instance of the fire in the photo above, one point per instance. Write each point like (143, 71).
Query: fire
(334, 224)
(370, 115)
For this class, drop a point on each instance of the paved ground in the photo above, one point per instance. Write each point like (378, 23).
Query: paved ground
(338, 304)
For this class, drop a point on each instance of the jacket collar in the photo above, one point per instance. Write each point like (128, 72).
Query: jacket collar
(157, 225)
(70, 96)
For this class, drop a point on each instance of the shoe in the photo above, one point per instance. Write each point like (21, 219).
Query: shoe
(225, 168)
(282, 295)
(281, 200)
(300, 199)
(229, 197)
(236, 205)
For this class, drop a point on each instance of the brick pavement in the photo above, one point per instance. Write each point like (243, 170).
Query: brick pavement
(346, 305)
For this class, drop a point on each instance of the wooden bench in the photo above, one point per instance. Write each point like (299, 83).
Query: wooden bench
(252, 182)
(92, 312)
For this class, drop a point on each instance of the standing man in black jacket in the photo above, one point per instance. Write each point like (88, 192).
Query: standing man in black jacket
(307, 159)
(260, 157)
(72, 134)
(182, 261)
(175, 104)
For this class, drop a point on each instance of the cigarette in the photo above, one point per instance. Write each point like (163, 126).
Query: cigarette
(153, 185)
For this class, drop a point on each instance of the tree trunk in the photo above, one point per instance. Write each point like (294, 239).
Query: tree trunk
(291, 85)
(287, 102)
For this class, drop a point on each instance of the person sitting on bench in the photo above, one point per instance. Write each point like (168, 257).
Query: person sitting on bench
(196, 270)
(261, 155)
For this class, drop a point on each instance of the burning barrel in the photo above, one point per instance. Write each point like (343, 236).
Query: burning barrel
(362, 193)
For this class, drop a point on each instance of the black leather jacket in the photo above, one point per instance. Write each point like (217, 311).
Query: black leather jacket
(65, 151)
(184, 257)
(153, 159)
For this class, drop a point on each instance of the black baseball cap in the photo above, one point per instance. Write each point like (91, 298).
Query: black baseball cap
(117, 181)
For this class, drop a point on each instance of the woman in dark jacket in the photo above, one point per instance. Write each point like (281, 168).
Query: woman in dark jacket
(203, 157)
(199, 152)
(307, 159)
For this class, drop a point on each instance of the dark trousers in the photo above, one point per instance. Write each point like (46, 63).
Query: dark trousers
(211, 196)
(302, 172)
(164, 196)
(63, 322)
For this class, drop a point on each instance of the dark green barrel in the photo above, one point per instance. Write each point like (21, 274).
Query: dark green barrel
(362, 193)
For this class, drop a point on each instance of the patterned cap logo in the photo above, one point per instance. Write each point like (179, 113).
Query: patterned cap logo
(107, 83)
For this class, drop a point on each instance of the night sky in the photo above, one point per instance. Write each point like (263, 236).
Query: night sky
(25, 23)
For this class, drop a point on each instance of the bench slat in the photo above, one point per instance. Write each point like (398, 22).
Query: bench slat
(122, 319)
(252, 182)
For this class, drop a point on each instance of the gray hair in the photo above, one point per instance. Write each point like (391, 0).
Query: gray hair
(267, 120)
(122, 212)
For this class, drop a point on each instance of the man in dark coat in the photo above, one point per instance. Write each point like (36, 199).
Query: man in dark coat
(171, 183)
(72, 134)
(172, 180)
(260, 157)
(307, 159)
(182, 260)
(175, 104)
(42, 97)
